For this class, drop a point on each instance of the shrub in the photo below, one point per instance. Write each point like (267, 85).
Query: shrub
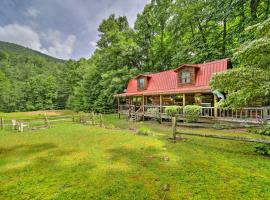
(265, 130)
(172, 111)
(144, 131)
(262, 149)
(192, 113)
(156, 113)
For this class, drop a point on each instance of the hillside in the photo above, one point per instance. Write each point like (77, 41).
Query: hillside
(15, 49)
(28, 77)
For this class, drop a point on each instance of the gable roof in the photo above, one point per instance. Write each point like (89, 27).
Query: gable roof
(186, 65)
(166, 82)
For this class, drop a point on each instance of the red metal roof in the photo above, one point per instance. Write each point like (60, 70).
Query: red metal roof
(166, 82)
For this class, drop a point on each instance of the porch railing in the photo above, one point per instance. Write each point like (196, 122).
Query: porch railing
(207, 112)
(255, 113)
(124, 108)
(249, 113)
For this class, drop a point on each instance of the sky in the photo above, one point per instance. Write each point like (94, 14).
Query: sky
(61, 28)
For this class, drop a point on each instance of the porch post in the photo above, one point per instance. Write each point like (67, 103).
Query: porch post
(265, 113)
(184, 99)
(143, 105)
(160, 105)
(129, 107)
(118, 102)
(215, 106)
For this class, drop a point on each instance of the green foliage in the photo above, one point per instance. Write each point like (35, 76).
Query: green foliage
(192, 113)
(9, 49)
(253, 52)
(155, 112)
(144, 131)
(256, 82)
(29, 80)
(263, 149)
(250, 81)
(172, 111)
(40, 93)
(264, 129)
(109, 69)
(166, 34)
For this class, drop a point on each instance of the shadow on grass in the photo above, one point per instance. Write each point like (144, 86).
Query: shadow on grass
(62, 180)
(140, 156)
(232, 147)
(25, 149)
(141, 180)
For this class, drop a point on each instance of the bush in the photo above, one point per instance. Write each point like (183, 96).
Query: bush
(144, 131)
(172, 111)
(264, 130)
(262, 149)
(192, 113)
(156, 113)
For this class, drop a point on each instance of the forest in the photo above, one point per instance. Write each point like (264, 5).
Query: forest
(165, 35)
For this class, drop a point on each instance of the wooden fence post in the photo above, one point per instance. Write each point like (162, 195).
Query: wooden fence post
(2, 123)
(21, 127)
(160, 107)
(46, 121)
(174, 127)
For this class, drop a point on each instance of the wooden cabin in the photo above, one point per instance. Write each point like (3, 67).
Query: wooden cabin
(186, 85)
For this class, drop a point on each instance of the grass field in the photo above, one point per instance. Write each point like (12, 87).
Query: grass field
(74, 161)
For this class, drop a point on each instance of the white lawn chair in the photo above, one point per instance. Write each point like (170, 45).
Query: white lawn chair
(21, 125)
(14, 124)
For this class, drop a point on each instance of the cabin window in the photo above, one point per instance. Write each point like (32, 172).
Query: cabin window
(185, 77)
(141, 83)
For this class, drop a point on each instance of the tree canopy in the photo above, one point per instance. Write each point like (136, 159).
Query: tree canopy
(165, 35)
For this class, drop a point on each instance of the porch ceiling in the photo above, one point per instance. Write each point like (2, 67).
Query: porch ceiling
(175, 91)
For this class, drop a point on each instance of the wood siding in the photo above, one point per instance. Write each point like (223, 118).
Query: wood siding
(192, 72)
(145, 83)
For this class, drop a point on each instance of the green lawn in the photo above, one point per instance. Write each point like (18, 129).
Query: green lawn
(35, 114)
(73, 161)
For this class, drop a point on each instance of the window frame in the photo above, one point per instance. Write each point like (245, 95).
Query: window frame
(185, 77)
(143, 83)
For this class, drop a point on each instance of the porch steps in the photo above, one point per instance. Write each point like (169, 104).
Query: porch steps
(136, 116)
(133, 118)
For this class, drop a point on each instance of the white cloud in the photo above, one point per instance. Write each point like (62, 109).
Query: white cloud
(19, 34)
(32, 12)
(58, 45)
(93, 44)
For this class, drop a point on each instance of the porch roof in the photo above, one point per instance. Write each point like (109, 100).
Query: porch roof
(173, 91)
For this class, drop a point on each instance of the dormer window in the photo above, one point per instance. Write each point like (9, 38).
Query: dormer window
(141, 83)
(187, 74)
(185, 77)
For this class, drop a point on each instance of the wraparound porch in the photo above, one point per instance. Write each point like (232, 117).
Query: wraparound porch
(143, 106)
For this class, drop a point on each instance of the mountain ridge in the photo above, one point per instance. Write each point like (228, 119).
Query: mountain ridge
(17, 49)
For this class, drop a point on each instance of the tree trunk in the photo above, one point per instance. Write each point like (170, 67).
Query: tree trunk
(267, 9)
(203, 38)
(224, 36)
(253, 8)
